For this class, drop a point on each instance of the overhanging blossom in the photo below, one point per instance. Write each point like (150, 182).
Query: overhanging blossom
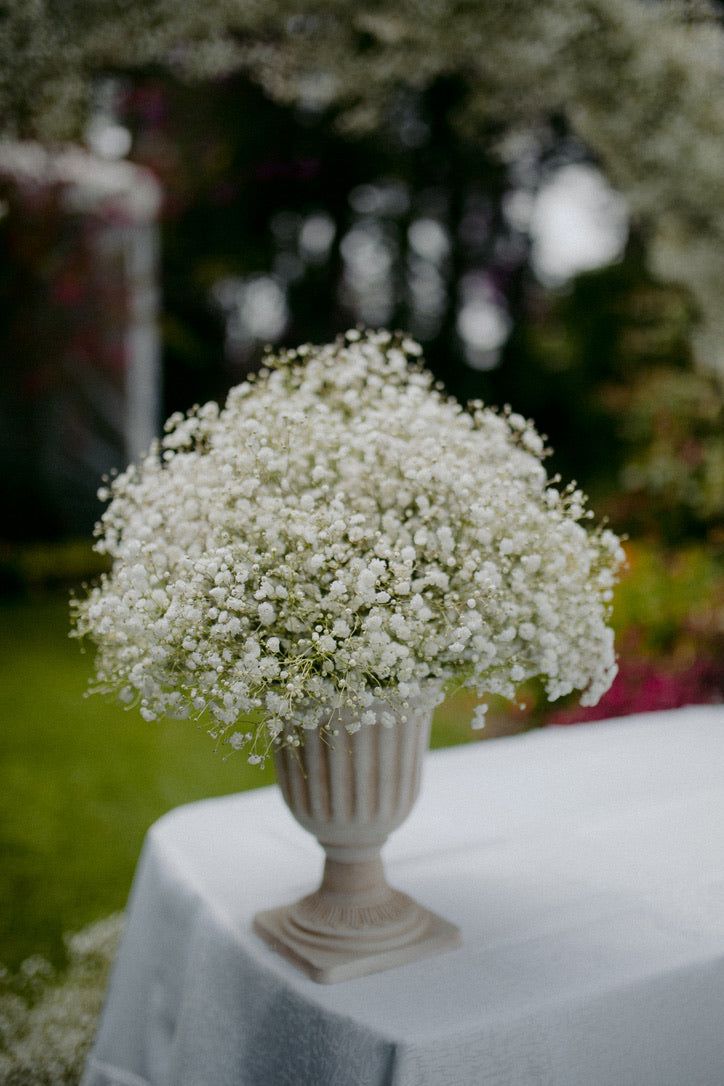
(641, 83)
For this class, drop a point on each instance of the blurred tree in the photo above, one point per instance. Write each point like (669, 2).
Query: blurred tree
(279, 230)
(641, 84)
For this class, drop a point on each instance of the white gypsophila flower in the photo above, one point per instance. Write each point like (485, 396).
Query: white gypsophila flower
(47, 1023)
(338, 532)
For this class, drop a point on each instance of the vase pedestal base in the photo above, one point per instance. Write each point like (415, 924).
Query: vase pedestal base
(329, 957)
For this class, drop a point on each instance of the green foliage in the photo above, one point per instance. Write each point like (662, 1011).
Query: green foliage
(671, 602)
(606, 370)
(672, 422)
(578, 358)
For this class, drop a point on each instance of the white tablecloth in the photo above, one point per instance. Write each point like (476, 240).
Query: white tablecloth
(584, 867)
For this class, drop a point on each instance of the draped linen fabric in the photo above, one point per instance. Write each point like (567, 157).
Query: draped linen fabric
(583, 865)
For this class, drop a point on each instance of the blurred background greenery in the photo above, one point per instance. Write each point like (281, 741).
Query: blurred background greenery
(276, 229)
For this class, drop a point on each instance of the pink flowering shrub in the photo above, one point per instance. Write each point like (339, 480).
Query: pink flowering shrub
(646, 685)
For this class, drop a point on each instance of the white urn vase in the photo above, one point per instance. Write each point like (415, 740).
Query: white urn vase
(351, 791)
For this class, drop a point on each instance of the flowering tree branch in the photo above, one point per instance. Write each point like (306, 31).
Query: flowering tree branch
(641, 84)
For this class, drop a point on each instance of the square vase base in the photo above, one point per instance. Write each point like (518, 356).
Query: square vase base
(329, 966)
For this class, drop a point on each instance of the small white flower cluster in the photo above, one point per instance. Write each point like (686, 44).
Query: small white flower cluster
(47, 1024)
(338, 532)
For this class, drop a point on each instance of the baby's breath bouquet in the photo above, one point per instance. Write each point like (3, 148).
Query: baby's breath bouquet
(338, 533)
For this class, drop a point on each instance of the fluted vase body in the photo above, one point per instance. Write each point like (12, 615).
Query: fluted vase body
(351, 790)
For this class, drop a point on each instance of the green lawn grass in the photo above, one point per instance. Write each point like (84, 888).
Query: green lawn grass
(81, 780)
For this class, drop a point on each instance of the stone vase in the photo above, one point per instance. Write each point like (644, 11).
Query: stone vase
(351, 791)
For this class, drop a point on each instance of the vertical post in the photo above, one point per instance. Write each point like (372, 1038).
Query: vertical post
(79, 335)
